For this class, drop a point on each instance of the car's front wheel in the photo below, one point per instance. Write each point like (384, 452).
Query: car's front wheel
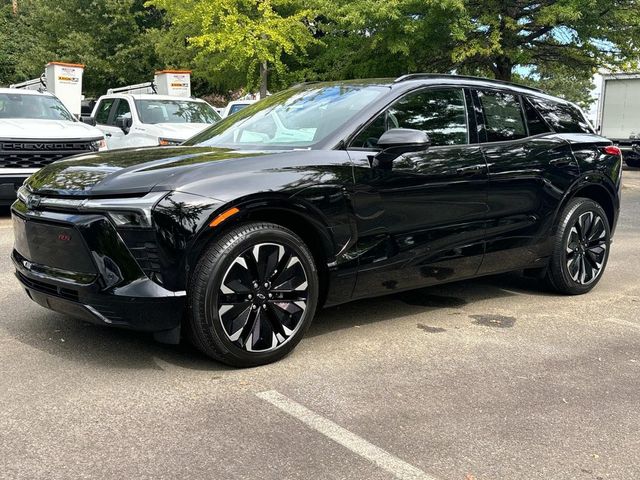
(581, 248)
(252, 295)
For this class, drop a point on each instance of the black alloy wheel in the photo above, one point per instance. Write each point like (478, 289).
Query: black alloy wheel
(581, 250)
(263, 297)
(253, 294)
(586, 249)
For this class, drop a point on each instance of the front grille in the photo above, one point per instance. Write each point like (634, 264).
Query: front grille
(48, 288)
(18, 154)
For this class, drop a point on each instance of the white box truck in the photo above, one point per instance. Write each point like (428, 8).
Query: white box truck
(619, 114)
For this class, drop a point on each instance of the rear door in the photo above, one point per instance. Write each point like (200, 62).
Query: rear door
(530, 169)
(421, 221)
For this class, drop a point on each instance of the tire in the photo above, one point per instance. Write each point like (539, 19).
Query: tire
(632, 162)
(581, 248)
(252, 295)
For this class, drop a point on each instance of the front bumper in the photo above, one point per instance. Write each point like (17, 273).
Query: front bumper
(79, 265)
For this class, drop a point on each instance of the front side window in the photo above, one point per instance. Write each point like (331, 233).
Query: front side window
(440, 113)
(122, 110)
(175, 111)
(102, 114)
(564, 118)
(37, 107)
(503, 117)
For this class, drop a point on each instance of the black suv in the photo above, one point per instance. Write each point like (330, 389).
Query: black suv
(318, 195)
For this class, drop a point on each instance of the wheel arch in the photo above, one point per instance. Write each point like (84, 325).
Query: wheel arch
(596, 188)
(289, 212)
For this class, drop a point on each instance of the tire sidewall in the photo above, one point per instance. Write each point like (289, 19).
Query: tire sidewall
(210, 321)
(577, 208)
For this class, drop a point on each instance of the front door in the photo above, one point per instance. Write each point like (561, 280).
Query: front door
(420, 220)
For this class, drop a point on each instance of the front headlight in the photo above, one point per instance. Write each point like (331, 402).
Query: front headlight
(169, 142)
(99, 145)
(126, 212)
(132, 212)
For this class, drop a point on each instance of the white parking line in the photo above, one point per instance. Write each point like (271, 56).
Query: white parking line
(353, 442)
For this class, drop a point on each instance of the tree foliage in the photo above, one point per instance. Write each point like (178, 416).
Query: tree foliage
(239, 36)
(555, 44)
(108, 36)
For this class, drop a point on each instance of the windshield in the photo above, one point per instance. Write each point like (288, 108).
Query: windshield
(296, 118)
(175, 111)
(42, 107)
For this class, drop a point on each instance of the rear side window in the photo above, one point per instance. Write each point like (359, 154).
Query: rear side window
(562, 117)
(535, 122)
(102, 114)
(502, 116)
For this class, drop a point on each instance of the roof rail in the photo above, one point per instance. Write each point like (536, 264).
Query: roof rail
(418, 76)
(140, 86)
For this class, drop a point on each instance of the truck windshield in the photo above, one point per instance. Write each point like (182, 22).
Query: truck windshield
(175, 111)
(41, 107)
(296, 118)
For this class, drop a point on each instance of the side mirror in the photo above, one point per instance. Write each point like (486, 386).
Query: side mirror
(89, 121)
(124, 123)
(398, 141)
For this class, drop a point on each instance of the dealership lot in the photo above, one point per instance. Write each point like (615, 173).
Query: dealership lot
(489, 379)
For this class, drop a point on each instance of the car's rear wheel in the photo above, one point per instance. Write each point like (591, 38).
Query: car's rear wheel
(581, 248)
(252, 295)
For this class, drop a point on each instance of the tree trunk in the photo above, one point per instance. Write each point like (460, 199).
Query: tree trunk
(503, 68)
(264, 75)
(14, 3)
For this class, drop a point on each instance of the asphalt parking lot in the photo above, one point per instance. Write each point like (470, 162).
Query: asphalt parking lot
(489, 379)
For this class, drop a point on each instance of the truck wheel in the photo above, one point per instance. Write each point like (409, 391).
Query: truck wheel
(252, 295)
(632, 162)
(581, 248)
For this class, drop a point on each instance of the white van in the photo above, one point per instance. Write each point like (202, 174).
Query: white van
(140, 120)
(37, 129)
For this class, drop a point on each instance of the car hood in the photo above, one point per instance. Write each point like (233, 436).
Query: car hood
(134, 171)
(34, 129)
(177, 131)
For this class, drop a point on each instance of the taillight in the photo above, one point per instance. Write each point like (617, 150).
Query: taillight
(612, 150)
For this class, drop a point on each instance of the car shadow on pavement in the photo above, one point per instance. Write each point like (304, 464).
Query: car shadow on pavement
(453, 296)
(112, 348)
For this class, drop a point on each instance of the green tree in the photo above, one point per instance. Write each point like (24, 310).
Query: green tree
(236, 37)
(557, 44)
(108, 36)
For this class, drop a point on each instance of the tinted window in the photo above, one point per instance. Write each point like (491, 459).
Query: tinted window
(502, 116)
(562, 117)
(439, 113)
(535, 122)
(102, 114)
